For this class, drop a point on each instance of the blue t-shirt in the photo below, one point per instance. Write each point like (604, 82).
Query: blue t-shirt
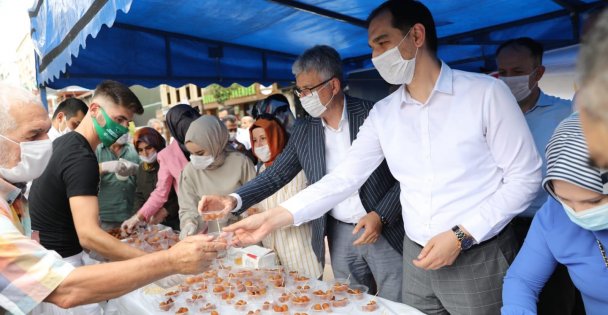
(542, 120)
(554, 239)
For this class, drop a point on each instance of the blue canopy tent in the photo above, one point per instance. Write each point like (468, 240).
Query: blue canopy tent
(152, 42)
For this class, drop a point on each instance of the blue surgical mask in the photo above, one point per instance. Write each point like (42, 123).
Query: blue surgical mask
(594, 219)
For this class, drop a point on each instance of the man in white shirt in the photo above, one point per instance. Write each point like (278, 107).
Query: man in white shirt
(67, 117)
(460, 148)
(365, 230)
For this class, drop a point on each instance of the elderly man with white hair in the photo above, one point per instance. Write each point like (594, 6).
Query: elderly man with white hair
(592, 99)
(31, 274)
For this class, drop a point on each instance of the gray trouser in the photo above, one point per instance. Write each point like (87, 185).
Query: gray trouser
(471, 285)
(365, 263)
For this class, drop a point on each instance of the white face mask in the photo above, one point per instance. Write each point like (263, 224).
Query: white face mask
(393, 68)
(594, 219)
(519, 85)
(312, 103)
(148, 159)
(232, 135)
(201, 162)
(35, 156)
(263, 153)
(66, 129)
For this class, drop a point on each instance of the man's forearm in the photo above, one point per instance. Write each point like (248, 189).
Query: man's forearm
(96, 283)
(108, 246)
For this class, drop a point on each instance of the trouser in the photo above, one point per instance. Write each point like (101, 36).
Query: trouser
(471, 285)
(51, 309)
(374, 265)
(559, 296)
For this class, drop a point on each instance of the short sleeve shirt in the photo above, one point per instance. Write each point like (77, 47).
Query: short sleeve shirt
(72, 171)
(28, 272)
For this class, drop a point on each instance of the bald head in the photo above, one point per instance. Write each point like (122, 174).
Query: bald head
(12, 96)
(22, 119)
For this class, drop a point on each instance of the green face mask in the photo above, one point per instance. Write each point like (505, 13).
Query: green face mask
(109, 133)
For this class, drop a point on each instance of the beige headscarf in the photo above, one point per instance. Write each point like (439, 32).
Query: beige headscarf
(211, 134)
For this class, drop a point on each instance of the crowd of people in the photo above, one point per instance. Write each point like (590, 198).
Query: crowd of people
(459, 193)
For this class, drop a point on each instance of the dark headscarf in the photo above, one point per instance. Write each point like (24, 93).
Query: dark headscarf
(149, 136)
(179, 118)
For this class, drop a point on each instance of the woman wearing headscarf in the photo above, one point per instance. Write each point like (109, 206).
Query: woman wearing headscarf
(214, 168)
(148, 143)
(571, 228)
(292, 244)
(171, 160)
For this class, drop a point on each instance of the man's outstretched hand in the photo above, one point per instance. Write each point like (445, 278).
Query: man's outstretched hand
(253, 229)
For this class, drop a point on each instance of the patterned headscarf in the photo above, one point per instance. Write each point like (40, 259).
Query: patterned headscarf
(568, 159)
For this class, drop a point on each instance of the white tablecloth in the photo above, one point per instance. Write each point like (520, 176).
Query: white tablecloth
(138, 302)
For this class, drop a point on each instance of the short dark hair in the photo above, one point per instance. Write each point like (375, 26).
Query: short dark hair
(229, 118)
(120, 94)
(70, 108)
(536, 49)
(406, 13)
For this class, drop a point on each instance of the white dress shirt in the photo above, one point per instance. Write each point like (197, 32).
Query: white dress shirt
(465, 157)
(242, 136)
(337, 143)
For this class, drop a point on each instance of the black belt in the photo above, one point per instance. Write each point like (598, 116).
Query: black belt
(338, 221)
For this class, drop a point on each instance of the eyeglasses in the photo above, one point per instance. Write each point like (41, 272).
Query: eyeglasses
(307, 91)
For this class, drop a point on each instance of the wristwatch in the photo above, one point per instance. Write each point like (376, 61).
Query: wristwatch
(464, 241)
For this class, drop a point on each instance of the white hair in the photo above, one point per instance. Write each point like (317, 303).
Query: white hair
(154, 121)
(10, 96)
(593, 70)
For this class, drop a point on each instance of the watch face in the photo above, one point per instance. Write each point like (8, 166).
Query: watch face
(466, 243)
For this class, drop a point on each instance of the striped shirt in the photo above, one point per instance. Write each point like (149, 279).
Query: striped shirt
(28, 272)
(292, 244)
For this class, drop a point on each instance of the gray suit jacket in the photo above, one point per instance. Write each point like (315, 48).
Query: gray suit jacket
(306, 150)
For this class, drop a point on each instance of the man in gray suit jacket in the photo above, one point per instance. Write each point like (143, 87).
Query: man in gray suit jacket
(365, 232)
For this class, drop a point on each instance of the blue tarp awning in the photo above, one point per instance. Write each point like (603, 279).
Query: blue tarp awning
(152, 42)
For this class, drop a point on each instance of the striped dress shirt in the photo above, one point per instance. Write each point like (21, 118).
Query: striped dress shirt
(293, 243)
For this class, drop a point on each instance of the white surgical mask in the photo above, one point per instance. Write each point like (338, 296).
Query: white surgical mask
(263, 153)
(148, 159)
(66, 129)
(35, 156)
(393, 68)
(201, 162)
(232, 135)
(594, 219)
(519, 85)
(312, 103)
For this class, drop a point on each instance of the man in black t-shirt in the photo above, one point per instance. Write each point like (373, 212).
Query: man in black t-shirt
(63, 200)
